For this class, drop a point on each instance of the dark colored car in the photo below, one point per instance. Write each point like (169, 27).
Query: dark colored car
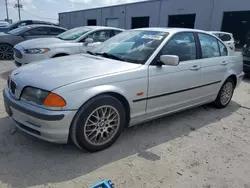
(24, 23)
(13, 37)
(246, 54)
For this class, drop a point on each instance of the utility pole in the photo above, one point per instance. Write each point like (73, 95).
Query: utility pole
(18, 6)
(7, 12)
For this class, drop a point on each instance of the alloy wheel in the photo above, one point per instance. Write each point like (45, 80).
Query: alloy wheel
(102, 125)
(226, 93)
(6, 52)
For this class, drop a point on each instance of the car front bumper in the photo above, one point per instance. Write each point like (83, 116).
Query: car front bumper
(49, 125)
(30, 58)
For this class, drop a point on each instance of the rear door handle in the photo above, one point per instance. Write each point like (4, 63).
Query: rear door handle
(195, 68)
(224, 63)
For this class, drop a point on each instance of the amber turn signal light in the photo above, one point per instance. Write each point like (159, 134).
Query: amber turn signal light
(54, 100)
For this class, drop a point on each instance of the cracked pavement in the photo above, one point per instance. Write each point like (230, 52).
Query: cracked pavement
(202, 147)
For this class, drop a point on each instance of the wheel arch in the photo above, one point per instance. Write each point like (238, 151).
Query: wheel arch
(60, 54)
(5, 43)
(109, 90)
(234, 78)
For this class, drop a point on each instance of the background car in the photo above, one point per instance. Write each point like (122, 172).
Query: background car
(74, 41)
(246, 54)
(24, 23)
(133, 77)
(4, 24)
(13, 37)
(227, 38)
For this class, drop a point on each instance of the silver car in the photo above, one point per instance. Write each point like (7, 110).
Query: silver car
(133, 77)
(74, 41)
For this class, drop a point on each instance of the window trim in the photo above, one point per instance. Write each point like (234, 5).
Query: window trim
(154, 61)
(201, 57)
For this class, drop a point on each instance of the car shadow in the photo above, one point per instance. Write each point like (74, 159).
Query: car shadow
(27, 161)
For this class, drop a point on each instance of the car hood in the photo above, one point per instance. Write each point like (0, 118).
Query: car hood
(42, 42)
(53, 73)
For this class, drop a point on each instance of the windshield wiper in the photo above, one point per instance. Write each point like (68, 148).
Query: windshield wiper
(91, 53)
(108, 55)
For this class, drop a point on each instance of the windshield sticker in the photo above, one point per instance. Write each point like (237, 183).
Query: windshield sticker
(153, 37)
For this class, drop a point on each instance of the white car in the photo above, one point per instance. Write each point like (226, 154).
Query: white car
(4, 24)
(131, 78)
(227, 38)
(74, 41)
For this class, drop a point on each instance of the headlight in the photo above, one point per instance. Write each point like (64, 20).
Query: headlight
(37, 50)
(35, 95)
(42, 97)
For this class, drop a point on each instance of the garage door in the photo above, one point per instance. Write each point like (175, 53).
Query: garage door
(112, 22)
(238, 23)
(184, 20)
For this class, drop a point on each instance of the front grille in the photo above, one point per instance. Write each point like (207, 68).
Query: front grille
(12, 87)
(18, 54)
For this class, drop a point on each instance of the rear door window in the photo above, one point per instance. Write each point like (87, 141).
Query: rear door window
(55, 31)
(115, 32)
(225, 37)
(100, 36)
(38, 31)
(209, 46)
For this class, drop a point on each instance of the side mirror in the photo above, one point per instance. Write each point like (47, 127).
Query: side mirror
(88, 41)
(171, 60)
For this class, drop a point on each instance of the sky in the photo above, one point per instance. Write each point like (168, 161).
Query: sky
(48, 9)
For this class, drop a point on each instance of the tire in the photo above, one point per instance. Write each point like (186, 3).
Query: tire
(6, 52)
(87, 128)
(17, 64)
(227, 90)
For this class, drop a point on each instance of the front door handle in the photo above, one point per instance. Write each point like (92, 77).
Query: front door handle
(224, 63)
(195, 68)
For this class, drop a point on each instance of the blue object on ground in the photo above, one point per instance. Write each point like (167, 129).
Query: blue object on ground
(104, 184)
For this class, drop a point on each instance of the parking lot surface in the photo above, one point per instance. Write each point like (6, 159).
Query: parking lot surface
(203, 147)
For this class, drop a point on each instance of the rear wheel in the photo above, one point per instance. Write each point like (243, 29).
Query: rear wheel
(98, 123)
(6, 52)
(226, 93)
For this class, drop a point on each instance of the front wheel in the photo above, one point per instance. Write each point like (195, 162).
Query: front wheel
(225, 94)
(98, 123)
(6, 52)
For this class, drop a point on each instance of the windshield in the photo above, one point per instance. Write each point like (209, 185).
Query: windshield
(13, 24)
(73, 34)
(134, 46)
(19, 30)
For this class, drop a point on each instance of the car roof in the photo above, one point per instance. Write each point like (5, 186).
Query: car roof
(42, 25)
(171, 30)
(220, 32)
(101, 27)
